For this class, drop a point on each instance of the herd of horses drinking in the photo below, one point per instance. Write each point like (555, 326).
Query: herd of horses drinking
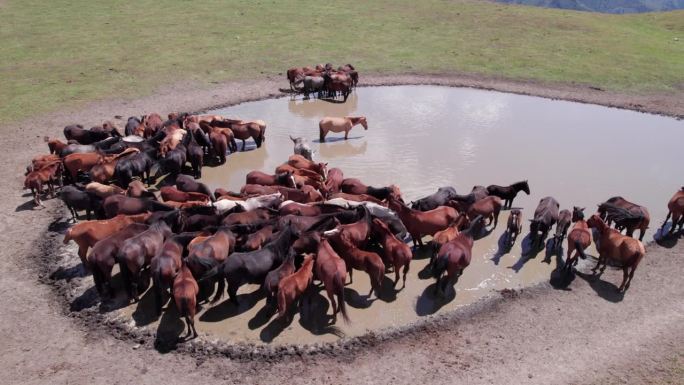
(284, 231)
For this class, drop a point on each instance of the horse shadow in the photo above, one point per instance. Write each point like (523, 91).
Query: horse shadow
(528, 253)
(60, 225)
(604, 289)
(169, 330)
(145, 313)
(424, 252)
(504, 247)
(559, 278)
(334, 139)
(227, 308)
(263, 315)
(429, 303)
(356, 300)
(551, 250)
(388, 291)
(86, 300)
(69, 273)
(483, 233)
(425, 272)
(664, 239)
(27, 206)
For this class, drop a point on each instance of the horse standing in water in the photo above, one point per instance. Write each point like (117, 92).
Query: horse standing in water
(675, 210)
(508, 193)
(345, 124)
(578, 239)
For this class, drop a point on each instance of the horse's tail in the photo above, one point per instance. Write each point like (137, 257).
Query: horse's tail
(439, 266)
(339, 291)
(580, 249)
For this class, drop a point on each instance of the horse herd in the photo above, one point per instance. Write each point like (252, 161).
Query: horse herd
(284, 231)
(323, 80)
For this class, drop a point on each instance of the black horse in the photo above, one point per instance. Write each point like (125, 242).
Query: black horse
(139, 165)
(174, 161)
(77, 200)
(252, 267)
(189, 184)
(439, 198)
(131, 125)
(84, 136)
(508, 193)
(194, 153)
(545, 216)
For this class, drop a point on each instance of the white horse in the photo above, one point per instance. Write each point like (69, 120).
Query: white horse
(377, 211)
(269, 201)
(301, 147)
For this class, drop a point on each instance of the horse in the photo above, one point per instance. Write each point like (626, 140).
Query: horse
(219, 146)
(622, 249)
(138, 165)
(513, 226)
(332, 271)
(477, 193)
(55, 145)
(355, 186)
(134, 127)
(174, 160)
(195, 152)
(248, 218)
(76, 200)
(334, 180)
(432, 201)
(87, 234)
(50, 175)
(209, 252)
(579, 239)
(166, 265)
(73, 163)
(298, 161)
(103, 190)
(330, 124)
(171, 193)
(421, 223)
(153, 123)
(244, 130)
(298, 172)
(454, 256)
(185, 290)
(359, 199)
(509, 193)
(313, 84)
(396, 253)
(81, 135)
(488, 207)
(136, 189)
(102, 257)
(633, 217)
(257, 177)
(137, 252)
(356, 233)
(251, 267)
(104, 171)
(294, 285)
(545, 216)
(257, 239)
(274, 276)
(675, 209)
(270, 201)
(302, 147)
(441, 237)
(119, 204)
(564, 220)
(188, 184)
(334, 83)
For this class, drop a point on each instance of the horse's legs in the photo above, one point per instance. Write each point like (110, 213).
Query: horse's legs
(219, 291)
(350, 271)
(641, 233)
(243, 147)
(669, 214)
(631, 274)
(598, 263)
(331, 297)
(232, 293)
(625, 275)
(406, 269)
(346, 134)
(396, 275)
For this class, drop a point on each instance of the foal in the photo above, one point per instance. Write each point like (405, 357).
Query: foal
(578, 239)
(396, 252)
(294, 285)
(185, 290)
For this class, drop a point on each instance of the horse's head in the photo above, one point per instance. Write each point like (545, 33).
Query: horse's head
(577, 214)
(595, 221)
(323, 170)
(525, 187)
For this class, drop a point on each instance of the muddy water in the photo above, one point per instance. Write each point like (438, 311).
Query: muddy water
(423, 137)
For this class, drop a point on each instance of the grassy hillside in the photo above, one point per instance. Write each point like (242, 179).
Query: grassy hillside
(61, 53)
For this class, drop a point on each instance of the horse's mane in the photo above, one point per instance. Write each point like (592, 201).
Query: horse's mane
(521, 183)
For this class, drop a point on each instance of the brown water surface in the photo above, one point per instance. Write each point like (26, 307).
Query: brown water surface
(424, 137)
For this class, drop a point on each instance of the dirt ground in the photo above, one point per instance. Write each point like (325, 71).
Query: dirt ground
(587, 334)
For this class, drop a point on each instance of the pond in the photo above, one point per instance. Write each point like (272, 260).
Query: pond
(424, 137)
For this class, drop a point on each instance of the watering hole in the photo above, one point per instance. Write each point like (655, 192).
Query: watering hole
(424, 137)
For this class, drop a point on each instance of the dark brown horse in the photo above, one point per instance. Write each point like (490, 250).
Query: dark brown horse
(508, 193)
(422, 223)
(397, 253)
(488, 207)
(273, 278)
(261, 178)
(631, 217)
(513, 226)
(355, 186)
(579, 239)
(545, 216)
(185, 290)
(332, 271)
(454, 256)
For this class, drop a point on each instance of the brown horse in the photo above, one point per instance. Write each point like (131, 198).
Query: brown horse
(164, 268)
(357, 198)
(454, 256)
(153, 123)
(104, 170)
(298, 172)
(73, 163)
(244, 130)
(488, 207)
(334, 181)
(247, 218)
(87, 234)
(421, 223)
(185, 290)
(170, 193)
(675, 209)
(298, 161)
(356, 234)
(211, 251)
(579, 239)
(562, 226)
(396, 252)
(441, 237)
(620, 248)
(345, 124)
(102, 258)
(274, 276)
(633, 217)
(294, 285)
(119, 204)
(355, 186)
(49, 174)
(55, 145)
(136, 189)
(261, 178)
(356, 258)
(137, 252)
(332, 271)
(513, 226)
(259, 238)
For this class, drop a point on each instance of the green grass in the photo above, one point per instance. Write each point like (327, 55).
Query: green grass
(62, 53)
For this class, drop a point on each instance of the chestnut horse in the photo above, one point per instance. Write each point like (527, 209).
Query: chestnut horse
(87, 234)
(355, 186)
(454, 256)
(261, 178)
(298, 161)
(329, 124)
(185, 290)
(334, 180)
(294, 285)
(675, 209)
(170, 193)
(208, 252)
(623, 249)
(579, 239)
(421, 223)
(274, 276)
(448, 234)
(332, 271)
(488, 207)
(396, 252)
(50, 174)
